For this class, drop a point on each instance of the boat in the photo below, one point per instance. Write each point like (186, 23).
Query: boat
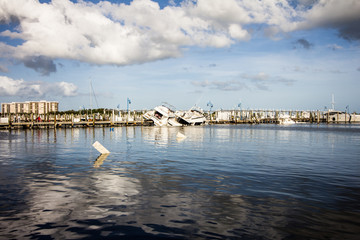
(286, 121)
(194, 116)
(165, 115)
(162, 115)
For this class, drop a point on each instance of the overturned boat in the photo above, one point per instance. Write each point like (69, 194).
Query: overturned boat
(286, 121)
(194, 116)
(163, 115)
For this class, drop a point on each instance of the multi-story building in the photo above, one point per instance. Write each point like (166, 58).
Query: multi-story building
(40, 107)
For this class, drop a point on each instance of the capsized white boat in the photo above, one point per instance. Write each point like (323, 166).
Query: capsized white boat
(194, 116)
(162, 116)
(286, 121)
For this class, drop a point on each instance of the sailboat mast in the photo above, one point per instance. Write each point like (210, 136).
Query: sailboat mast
(90, 86)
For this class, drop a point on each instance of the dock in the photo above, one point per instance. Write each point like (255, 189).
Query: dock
(61, 124)
(135, 118)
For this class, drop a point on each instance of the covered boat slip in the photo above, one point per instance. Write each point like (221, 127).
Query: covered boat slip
(343, 117)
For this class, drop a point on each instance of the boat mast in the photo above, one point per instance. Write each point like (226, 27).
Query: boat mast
(90, 86)
(332, 102)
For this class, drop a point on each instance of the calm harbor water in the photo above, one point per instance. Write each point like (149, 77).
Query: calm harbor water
(221, 182)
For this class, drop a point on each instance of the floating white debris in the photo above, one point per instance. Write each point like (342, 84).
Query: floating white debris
(100, 148)
(180, 136)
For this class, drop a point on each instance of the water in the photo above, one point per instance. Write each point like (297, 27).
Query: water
(221, 182)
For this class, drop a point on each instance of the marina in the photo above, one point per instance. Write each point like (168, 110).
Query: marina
(251, 149)
(163, 116)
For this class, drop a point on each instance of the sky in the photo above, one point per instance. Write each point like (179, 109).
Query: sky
(248, 54)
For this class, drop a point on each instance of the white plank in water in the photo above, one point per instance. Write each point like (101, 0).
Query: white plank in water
(100, 148)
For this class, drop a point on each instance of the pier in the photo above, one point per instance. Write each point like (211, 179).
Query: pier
(16, 121)
(124, 118)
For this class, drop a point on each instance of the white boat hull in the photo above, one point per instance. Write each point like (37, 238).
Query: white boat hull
(286, 121)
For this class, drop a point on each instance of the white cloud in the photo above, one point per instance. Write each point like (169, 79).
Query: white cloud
(263, 78)
(65, 89)
(10, 87)
(228, 85)
(120, 34)
(13, 87)
(237, 32)
(259, 77)
(260, 81)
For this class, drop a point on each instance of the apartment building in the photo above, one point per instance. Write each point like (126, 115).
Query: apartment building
(40, 107)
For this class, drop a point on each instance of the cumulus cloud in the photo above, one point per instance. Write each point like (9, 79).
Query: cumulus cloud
(342, 15)
(13, 87)
(141, 31)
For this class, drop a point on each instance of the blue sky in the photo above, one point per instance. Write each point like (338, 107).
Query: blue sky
(290, 55)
